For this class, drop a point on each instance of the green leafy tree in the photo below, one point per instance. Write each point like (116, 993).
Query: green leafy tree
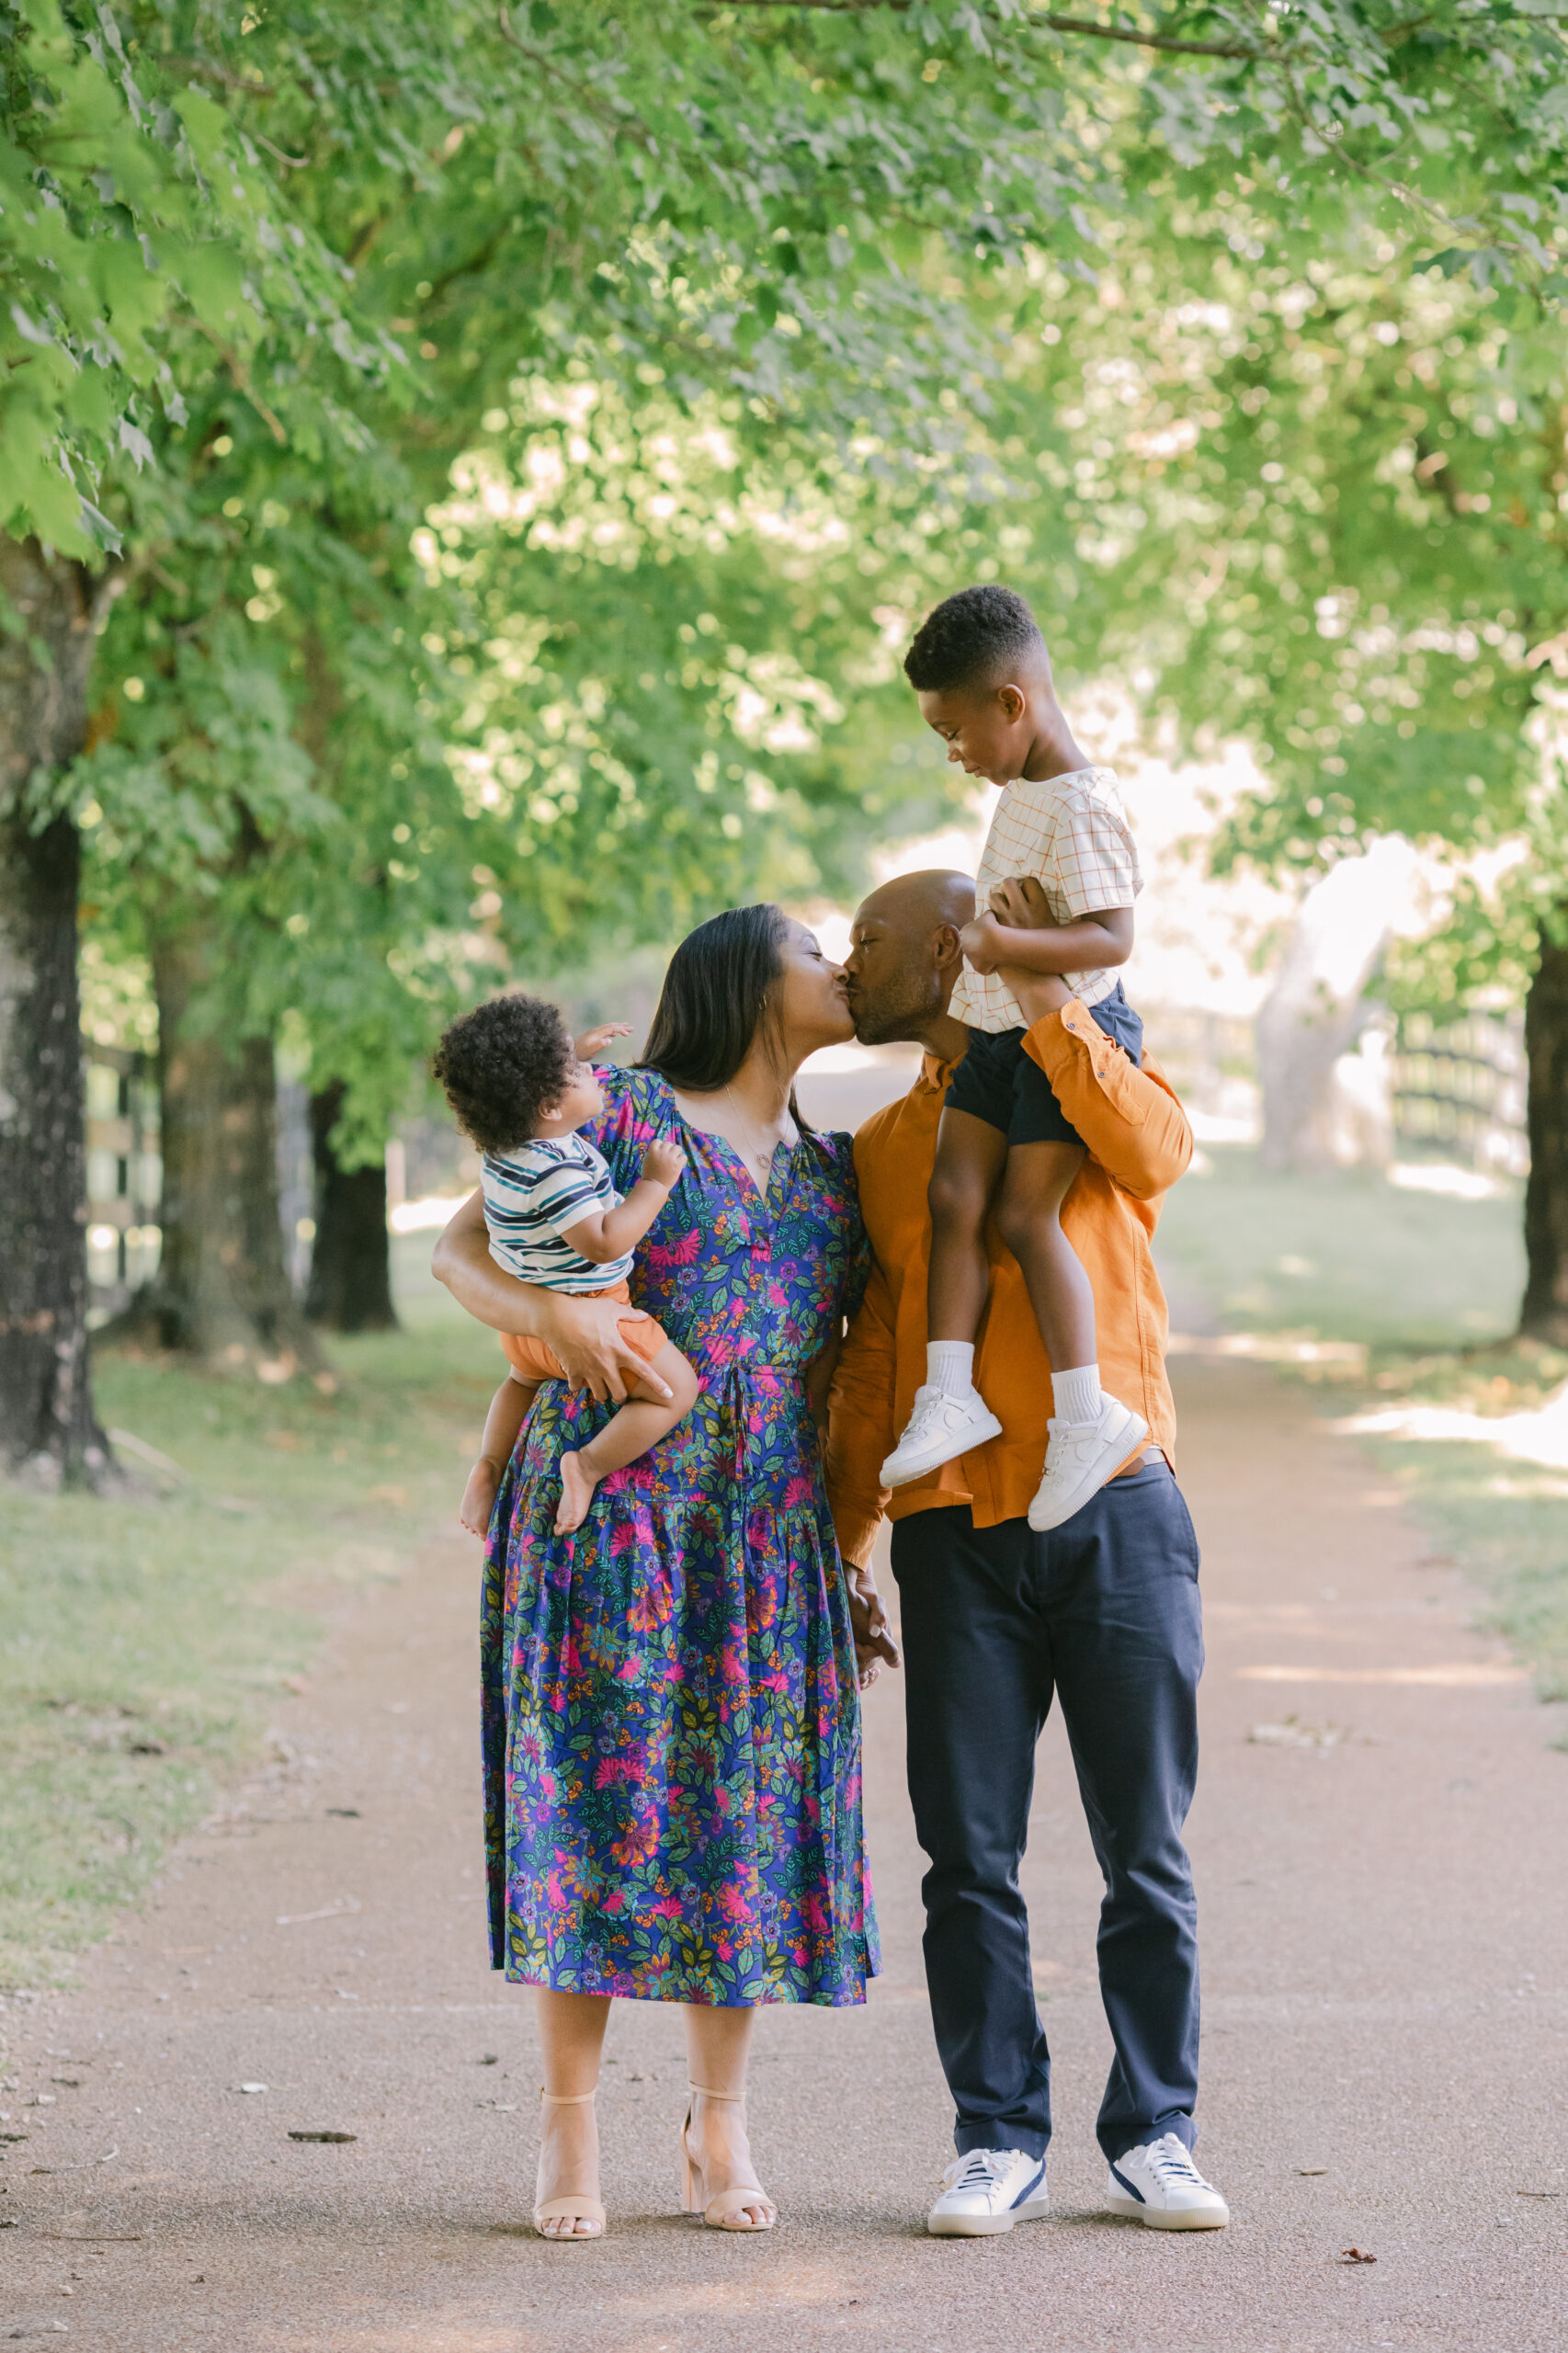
(1324, 508)
(374, 224)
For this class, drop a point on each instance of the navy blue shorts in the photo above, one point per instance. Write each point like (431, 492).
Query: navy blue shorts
(997, 1081)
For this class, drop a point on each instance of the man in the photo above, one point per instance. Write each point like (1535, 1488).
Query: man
(1101, 1611)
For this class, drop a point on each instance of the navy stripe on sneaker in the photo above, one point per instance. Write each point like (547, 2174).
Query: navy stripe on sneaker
(1029, 2188)
(1131, 2187)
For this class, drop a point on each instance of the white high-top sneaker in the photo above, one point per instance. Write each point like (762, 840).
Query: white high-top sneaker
(941, 1427)
(985, 2191)
(1160, 2185)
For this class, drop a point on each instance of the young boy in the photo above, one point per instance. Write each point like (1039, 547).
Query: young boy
(981, 671)
(521, 1089)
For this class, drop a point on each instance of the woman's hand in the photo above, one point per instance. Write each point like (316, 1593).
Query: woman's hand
(585, 1335)
(873, 1636)
(594, 1042)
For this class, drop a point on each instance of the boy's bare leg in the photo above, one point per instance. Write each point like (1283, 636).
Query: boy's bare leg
(637, 1427)
(1029, 1218)
(971, 1156)
(508, 1411)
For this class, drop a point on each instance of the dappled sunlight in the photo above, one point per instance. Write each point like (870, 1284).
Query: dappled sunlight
(1539, 1437)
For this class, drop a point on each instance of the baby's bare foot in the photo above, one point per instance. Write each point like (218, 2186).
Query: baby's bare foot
(577, 1485)
(479, 1498)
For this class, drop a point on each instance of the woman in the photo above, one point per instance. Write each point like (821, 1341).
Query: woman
(671, 1716)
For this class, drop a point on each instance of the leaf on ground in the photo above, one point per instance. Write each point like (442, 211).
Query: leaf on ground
(1357, 2255)
(332, 2136)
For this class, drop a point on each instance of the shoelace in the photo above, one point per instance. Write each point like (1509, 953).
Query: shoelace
(931, 1413)
(1170, 2162)
(980, 2170)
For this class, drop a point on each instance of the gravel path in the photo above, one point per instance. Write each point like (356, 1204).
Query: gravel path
(1384, 1915)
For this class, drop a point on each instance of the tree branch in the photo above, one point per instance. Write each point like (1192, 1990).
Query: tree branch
(1087, 26)
(620, 123)
(242, 384)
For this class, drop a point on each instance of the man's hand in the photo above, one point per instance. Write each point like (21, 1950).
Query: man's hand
(585, 1336)
(1021, 904)
(873, 1637)
(664, 1162)
(594, 1042)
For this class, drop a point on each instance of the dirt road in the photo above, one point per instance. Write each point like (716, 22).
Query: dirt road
(1385, 1916)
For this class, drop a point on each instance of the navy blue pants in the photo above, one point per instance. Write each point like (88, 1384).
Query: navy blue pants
(1104, 1614)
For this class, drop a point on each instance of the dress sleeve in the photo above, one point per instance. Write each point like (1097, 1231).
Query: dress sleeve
(629, 1120)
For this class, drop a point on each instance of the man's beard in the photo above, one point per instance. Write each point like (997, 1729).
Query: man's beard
(895, 1014)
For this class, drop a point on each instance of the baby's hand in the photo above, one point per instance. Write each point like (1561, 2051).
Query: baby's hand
(1021, 904)
(980, 943)
(594, 1042)
(664, 1162)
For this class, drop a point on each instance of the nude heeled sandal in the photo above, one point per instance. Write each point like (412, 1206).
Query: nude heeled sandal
(574, 2206)
(722, 2210)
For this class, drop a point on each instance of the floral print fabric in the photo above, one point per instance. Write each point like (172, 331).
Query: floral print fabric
(672, 1727)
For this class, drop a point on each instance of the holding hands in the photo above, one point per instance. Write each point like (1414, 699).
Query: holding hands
(1018, 905)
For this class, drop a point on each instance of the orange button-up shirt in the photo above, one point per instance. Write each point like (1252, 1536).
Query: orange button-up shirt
(1139, 1144)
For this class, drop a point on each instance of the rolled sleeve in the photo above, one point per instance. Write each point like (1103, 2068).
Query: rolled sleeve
(1129, 1117)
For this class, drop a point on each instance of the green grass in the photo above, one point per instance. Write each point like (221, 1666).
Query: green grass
(144, 1641)
(1421, 1290)
(1345, 1258)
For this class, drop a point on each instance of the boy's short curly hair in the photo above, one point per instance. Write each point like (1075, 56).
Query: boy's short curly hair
(969, 638)
(500, 1065)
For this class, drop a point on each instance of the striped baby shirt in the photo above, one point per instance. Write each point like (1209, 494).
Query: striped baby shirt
(532, 1196)
(1070, 832)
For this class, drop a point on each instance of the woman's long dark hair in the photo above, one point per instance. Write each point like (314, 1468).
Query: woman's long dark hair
(718, 993)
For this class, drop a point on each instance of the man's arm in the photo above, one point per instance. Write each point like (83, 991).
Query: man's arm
(861, 1423)
(1130, 1119)
(584, 1332)
(860, 1434)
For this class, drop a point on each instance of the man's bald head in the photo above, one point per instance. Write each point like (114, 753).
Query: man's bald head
(905, 955)
(910, 901)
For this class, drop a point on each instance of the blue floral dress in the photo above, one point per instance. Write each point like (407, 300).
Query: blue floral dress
(672, 1723)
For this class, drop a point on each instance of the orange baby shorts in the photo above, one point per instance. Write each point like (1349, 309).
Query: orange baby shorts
(536, 1362)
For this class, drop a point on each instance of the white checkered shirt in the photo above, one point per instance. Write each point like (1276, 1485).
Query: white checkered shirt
(1071, 832)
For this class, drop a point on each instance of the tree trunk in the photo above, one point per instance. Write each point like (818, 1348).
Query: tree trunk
(223, 1291)
(350, 1285)
(49, 1432)
(1314, 1013)
(1544, 1313)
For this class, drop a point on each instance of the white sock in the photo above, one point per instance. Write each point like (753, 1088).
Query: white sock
(949, 1367)
(1077, 1396)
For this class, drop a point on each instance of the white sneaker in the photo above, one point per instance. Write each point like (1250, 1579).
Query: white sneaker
(1162, 2186)
(940, 1428)
(1079, 1459)
(985, 2192)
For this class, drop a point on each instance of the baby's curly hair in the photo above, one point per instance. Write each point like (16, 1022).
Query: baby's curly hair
(500, 1065)
(969, 638)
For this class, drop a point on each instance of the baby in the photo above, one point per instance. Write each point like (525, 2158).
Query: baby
(521, 1088)
(982, 673)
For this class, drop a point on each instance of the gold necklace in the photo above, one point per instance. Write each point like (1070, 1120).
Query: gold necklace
(764, 1159)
